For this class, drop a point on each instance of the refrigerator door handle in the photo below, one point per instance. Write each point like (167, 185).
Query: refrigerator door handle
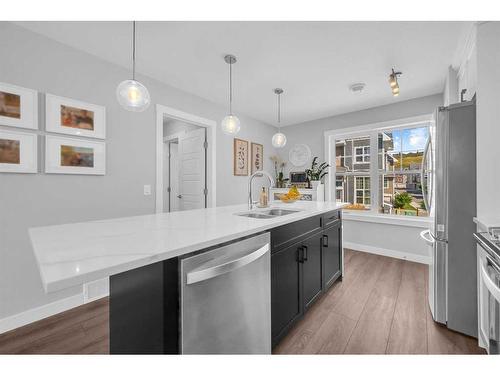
(437, 238)
(422, 175)
(427, 237)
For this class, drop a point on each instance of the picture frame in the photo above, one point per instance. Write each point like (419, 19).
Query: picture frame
(240, 157)
(74, 117)
(18, 152)
(257, 157)
(65, 155)
(18, 106)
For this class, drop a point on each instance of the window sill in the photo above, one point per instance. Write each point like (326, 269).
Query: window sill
(368, 217)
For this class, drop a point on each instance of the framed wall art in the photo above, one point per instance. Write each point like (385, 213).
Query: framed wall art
(18, 106)
(74, 117)
(18, 152)
(74, 156)
(240, 157)
(257, 152)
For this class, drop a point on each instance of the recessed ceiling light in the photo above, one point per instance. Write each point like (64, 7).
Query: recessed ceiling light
(357, 87)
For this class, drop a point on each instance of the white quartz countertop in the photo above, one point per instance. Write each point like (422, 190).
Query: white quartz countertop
(73, 254)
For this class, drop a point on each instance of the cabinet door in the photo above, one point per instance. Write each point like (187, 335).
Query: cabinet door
(311, 269)
(331, 254)
(286, 296)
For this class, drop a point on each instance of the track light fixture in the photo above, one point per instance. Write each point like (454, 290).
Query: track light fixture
(393, 82)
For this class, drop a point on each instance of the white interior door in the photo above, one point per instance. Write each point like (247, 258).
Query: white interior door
(174, 177)
(192, 170)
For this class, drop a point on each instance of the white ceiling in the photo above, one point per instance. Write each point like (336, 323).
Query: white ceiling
(314, 62)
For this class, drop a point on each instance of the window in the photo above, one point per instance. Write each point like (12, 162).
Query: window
(352, 166)
(362, 190)
(400, 161)
(362, 154)
(392, 183)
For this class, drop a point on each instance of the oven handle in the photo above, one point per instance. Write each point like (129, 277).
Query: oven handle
(490, 285)
(202, 274)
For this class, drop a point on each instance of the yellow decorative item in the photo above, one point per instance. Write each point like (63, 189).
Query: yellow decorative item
(293, 195)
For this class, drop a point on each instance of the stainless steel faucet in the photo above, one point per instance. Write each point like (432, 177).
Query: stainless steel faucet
(250, 179)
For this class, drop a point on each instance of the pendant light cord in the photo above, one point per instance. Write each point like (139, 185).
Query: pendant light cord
(231, 89)
(279, 112)
(133, 50)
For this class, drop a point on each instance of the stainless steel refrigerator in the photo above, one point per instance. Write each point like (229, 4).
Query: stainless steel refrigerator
(449, 187)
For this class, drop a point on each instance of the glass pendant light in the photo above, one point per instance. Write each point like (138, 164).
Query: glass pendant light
(131, 94)
(230, 124)
(279, 139)
(393, 82)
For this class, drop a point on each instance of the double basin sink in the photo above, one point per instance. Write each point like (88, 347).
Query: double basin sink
(267, 214)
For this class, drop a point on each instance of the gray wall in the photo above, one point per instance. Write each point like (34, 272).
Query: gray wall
(312, 133)
(33, 61)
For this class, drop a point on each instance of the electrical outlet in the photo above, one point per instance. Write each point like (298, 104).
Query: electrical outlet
(147, 189)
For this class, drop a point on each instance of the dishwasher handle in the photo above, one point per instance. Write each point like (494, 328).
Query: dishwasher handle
(490, 284)
(202, 274)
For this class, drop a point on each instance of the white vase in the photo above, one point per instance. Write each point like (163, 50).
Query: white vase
(315, 184)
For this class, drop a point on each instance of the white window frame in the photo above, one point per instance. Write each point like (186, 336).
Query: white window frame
(363, 155)
(364, 189)
(372, 131)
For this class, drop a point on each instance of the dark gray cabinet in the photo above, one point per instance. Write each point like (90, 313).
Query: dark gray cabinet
(331, 253)
(311, 269)
(305, 262)
(286, 301)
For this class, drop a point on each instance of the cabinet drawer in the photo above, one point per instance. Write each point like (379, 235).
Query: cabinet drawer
(330, 218)
(290, 233)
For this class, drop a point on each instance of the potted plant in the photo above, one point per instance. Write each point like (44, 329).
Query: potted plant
(316, 173)
(279, 166)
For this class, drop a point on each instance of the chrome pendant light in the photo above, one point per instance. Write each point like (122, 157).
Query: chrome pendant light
(279, 139)
(230, 124)
(131, 94)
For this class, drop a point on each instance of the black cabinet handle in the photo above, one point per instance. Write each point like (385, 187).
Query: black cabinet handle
(325, 240)
(300, 255)
(304, 251)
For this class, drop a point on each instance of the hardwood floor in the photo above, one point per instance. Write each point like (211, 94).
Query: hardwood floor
(379, 307)
(83, 330)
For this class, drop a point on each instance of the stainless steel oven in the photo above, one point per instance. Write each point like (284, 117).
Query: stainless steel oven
(489, 294)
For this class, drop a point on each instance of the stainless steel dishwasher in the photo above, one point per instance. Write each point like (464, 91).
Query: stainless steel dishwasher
(226, 299)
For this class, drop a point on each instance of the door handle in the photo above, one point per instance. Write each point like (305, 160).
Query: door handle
(205, 273)
(325, 240)
(304, 251)
(300, 255)
(179, 196)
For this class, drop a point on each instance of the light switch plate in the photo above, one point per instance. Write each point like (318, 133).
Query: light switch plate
(147, 189)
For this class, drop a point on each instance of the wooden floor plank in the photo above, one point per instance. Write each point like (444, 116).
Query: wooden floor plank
(374, 325)
(409, 327)
(352, 317)
(353, 301)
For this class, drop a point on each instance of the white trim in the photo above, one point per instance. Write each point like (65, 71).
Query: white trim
(173, 137)
(388, 253)
(392, 124)
(40, 312)
(407, 221)
(211, 126)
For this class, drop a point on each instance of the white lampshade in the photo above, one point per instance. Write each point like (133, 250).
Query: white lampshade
(230, 124)
(279, 140)
(133, 95)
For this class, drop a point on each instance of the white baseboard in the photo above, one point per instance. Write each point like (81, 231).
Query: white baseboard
(388, 253)
(41, 312)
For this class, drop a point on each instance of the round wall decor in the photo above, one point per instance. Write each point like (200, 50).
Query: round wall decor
(299, 155)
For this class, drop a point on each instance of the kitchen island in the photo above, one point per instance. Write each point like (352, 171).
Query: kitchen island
(141, 256)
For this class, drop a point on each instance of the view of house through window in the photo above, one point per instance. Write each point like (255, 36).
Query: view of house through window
(398, 166)
(352, 166)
